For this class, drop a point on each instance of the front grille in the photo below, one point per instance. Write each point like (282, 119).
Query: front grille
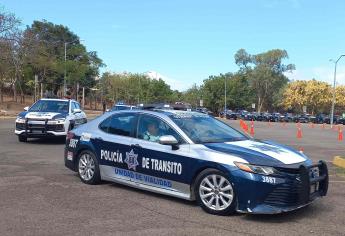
(297, 191)
(287, 194)
(43, 126)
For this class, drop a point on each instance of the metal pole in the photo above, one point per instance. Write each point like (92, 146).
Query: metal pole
(64, 77)
(83, 102)
(41, 90)
(225, 97)
(333, 99)
(35, 94)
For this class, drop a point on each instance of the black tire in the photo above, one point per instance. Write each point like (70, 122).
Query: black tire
(228, 210)
(96, 177)
(22, 138)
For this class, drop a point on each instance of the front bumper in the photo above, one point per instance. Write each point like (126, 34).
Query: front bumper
(40, 128)
(293, 189)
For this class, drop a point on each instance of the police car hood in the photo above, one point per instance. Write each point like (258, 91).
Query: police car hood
(260, 152)
(42, 115)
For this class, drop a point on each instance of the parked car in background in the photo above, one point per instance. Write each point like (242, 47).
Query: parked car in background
(231, 115)
(288, 117)
(301, 119)
(341, 120)
(320, 118)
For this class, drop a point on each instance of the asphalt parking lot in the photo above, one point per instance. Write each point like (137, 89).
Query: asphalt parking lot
(39, 196)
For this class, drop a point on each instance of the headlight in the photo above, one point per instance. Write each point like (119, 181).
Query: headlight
(59, 120)
(262, 170)
(20, 119)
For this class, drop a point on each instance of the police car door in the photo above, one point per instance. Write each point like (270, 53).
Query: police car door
(113, 145)
(159, 166)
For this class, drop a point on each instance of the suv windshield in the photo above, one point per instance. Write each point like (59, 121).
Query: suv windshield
(120, 108)
(205, 129)
(50, 106)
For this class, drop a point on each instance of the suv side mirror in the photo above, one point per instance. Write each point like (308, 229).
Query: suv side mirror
(76, 111)
(169, 140)
(26, 108)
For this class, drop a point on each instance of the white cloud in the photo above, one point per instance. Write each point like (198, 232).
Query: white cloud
(322, 73)
(175, 84)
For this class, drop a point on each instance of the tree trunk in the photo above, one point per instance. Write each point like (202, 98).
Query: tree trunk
(14, 91)
(1, 94)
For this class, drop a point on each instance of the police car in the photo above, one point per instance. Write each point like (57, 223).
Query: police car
(194, 156)
(49, 117)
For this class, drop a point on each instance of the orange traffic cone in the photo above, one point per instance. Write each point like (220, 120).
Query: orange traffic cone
(340, 134)
(301, 149)
(245, 127)
(299, 132)
(252, 129)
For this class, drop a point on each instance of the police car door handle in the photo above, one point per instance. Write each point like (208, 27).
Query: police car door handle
(135, 145)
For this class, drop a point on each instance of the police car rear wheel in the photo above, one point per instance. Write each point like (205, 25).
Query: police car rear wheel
(214, 192)
(88, 168)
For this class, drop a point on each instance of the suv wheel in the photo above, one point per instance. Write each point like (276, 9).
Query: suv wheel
(22, 138)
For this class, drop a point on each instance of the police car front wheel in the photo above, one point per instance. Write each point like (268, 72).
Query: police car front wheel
(88, 168)
(215, 193)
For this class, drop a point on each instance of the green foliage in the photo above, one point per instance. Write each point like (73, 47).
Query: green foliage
(266, 78)
(136, 88)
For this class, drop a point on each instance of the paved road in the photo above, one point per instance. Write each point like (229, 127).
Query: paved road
(39, 196)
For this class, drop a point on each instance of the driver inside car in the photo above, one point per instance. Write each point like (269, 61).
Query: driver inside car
(151, 134)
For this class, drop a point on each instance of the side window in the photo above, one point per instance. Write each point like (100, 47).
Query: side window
(105, 124)
(123, 124)
(151, 128)
(72, 106)
(77, 105)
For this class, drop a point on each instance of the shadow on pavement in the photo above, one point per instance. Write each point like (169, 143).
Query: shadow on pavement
(47, 140)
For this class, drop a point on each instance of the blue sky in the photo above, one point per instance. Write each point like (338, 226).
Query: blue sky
(186, 41)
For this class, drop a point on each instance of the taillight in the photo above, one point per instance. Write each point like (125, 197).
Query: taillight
(69, 135)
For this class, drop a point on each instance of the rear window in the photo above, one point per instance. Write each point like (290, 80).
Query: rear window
(123, 124)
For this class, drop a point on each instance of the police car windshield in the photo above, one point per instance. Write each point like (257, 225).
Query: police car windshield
(206, 129)
(50, 106)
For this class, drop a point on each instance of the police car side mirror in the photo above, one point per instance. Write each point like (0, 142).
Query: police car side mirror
(169, 140)
(26, 108)
(76, 111)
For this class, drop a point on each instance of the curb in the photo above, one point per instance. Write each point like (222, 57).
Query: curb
(339, 161)
(7, 117)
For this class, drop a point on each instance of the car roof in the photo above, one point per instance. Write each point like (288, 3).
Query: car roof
(57, 99)
(163, 113)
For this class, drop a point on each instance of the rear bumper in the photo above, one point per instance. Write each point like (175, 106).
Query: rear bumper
(291, 192)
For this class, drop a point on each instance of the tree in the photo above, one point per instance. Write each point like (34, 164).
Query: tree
(48, 42)
(266, 78)
(313, 94)
(193, 95)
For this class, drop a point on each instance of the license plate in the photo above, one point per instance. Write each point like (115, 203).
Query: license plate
(36, 131)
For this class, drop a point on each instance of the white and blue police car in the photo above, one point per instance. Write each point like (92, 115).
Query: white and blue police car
(49, 117)
(194, 156)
